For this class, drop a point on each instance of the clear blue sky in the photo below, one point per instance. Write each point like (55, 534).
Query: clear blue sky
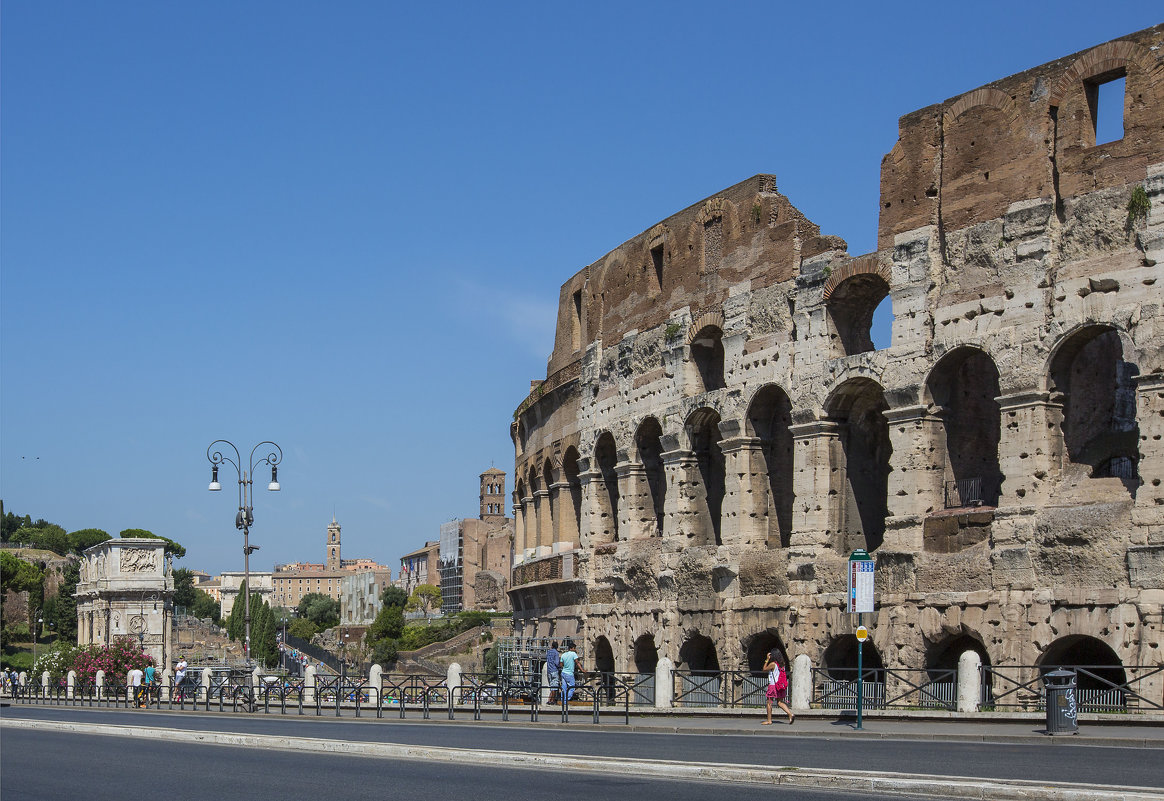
(343, 226)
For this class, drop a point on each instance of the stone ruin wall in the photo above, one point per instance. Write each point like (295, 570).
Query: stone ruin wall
(1004, 247)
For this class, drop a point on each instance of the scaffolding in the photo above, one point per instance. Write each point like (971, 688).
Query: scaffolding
(520, 659)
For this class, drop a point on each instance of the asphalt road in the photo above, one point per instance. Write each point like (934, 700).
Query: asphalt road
(1075, 763)
(48, 765)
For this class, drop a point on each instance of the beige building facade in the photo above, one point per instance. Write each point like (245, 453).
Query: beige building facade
(717, 432)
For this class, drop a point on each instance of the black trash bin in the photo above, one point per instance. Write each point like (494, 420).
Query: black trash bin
(1062, 702)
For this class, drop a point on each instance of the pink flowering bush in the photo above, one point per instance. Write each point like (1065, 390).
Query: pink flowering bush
(122, 656)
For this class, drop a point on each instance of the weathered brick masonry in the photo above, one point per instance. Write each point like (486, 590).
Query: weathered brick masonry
(716, 431)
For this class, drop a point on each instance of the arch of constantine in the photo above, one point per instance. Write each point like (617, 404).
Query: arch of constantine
(717, 431)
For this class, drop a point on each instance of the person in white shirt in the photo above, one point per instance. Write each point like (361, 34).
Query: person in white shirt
(135, 679)
(180, 677)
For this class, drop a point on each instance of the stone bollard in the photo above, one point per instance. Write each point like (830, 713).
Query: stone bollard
(375, 681)
(453, 678)
(46, 681)
(204, 690)
(664, 684)
(165, 682)
(969, 681)
(800, 683)
(309, 685)
(99, 684)
(71, 681)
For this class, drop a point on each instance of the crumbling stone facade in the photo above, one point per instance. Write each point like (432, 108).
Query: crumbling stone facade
(717, 432)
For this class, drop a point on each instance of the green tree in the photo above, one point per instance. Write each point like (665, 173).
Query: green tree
(394, 596)
(47, 537)
(385, 653)
(86, 538)
(172, 547)
(425, 598)
(389, 624)
(61, 609)
(17, 575)
(264, 648)
(235, 622)
(205, 606)
(320, 610)
(302, 628)
(184, 588)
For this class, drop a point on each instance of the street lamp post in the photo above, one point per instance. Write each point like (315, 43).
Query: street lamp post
(35, 627)
(245, 517)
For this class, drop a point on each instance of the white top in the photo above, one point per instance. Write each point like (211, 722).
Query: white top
(135, 677)
(774, 674)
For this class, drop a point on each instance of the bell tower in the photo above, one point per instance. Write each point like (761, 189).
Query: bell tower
(333, 545)
(493, 494)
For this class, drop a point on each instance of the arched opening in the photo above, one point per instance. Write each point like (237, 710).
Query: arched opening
(756, 649)
(574, 509)
(650, 447)
(604, 665)
(1097, 389)
(941, 687)
(703, 427)
(521, 522)
(698, 654)
(606, 457)
(707, 353)
(646, 659)
(838, 688)
(850, 311)
(963, 386)
(861, 464)
(646, 654)
(881, 332)
(698, 670)
(769, 419)
(1099, 674)
(549, 530)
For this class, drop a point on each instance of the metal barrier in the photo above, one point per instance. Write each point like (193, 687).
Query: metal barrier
(1021, 687)
(1101, 688)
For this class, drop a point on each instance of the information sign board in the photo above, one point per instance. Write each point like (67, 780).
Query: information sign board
(861, 566)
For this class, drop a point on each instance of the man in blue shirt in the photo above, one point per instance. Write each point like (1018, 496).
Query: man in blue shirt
(553, 671)
(569, 665)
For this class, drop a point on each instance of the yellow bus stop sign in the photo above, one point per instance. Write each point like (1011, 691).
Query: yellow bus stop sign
(862, 633)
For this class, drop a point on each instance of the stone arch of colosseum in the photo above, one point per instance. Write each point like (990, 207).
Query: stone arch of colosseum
(1002, 457)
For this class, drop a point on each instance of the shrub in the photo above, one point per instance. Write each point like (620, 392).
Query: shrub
(57, 660)
(116, 660)
(19, 661)
(384, 652)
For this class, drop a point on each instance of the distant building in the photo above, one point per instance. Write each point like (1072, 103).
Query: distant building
(475, 556)
(230, 585)
(292, 581)
(420, 567)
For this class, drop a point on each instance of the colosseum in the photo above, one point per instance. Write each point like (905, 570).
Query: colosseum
(717, 431)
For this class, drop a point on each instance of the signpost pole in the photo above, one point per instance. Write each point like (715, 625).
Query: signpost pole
(860, 672)
(861, 571)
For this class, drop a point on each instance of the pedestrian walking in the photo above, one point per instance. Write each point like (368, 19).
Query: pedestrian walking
(135, 678)
(180, 678)
(777, 686)
(570, 665)
(553, 671)
(150, 682)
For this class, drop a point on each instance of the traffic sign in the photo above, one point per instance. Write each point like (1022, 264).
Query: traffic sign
(862, 634)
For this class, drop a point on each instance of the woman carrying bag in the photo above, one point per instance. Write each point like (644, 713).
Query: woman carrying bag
(777, 687)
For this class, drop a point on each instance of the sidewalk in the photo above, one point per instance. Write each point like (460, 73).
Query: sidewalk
(1142, 731)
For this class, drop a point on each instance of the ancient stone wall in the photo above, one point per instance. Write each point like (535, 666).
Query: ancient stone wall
(717, 430)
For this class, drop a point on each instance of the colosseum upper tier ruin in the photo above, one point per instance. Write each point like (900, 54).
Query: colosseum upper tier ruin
(717, 432)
